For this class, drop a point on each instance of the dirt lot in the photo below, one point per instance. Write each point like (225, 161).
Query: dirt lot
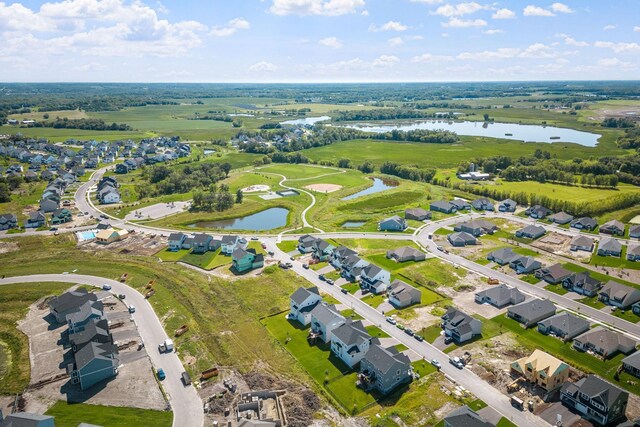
(135, 244)
(135, 385)
(323, 188)
(559, 244)
(463, 296)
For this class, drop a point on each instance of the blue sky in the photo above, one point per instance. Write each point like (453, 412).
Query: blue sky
(318, 40)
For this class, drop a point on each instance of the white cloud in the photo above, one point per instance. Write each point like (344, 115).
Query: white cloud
(315, 7)
(389, 26)
(609, 27)
(534, 51)
(492, 32)
(385, 61)
(460, 9)
(364, 13)
(532, 10)
(561, 8)
(464, 23)
(620, 47)
(331, 42)
(503, 14)
(568, 40)
(610, 62)
(636, 29)
(429, 58)
(231, 28)
(263, 66)
(395, 41)
(427, 1)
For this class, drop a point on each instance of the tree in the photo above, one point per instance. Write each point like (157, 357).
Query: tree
(344, 163)
(239, 196)
(14, 181)
(5, 193)
(367, 167)
(226, 168)
(486, 117)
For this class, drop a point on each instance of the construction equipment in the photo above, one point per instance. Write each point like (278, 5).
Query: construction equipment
(493, 281)
(150, 284)
(181, 330)
(124, 277)
(209, 373)
(150, 293)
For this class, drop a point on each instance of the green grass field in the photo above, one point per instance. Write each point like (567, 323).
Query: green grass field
(70, 415)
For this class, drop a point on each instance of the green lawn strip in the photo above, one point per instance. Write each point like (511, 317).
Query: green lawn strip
(443, 231)
(288, 245)
(373, 300)
(391, 265)
(401, 347)
(529, 278)
(352, 288)
(592, 302)
(199, 260)
(351, 313)
(432, 272)
(218, 260)
(505, 422)
(477, 404)
(333, 275)
(423, 367)
(376, 332)
(171, 256)
(616, 262)
(601, 277)
(318, 266)
(72, 414)
(430, 333)
(556, 289)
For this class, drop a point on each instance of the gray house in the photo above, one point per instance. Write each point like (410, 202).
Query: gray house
(95, 331)
(634, 231)
(350, 342)
(417, 214)
(460, 326)
(476, 227)
(531, 312)
(531, 232)
(604, 342)
(633, 253)
(584, 223)
(560, 218)
(70, 302)
(582, 283)
(175, 241)
(595, 399)
(86, 313)
(507, 205)
(36, 220)
(443, 206)
(582, 243)
(384, 369)
(394, 223)
(461, 238)
(94, 363)
(613, 227)
(352, 267)
(465, 417)
(406, 253)
(525, 264)
(322, 249)
(553, 274)
(619, 295)
(200, 243)
(502, 256)
(609, 246)
(483, 204)
(324, 319)
(563, 325)
(339, 255)
(538, 212)
(631, 364)
(305, 243)
(402, 294)
(26, 419)
(461, 205)
(8, 221)
(500, 296)
(375, 279)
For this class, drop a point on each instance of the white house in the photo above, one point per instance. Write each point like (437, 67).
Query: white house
(350, 342)
(302, 302)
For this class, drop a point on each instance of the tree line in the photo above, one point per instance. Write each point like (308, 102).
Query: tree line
(85, 124)
(162, 180)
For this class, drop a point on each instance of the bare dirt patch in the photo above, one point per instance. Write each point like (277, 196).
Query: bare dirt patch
(463, 296)
(135, 244)
(323, 188)
(255, 188)
(6, 247)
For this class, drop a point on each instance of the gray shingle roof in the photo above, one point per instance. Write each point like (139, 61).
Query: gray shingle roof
(326, 313)
(465, 417)
(383, 359)
(566, 322)
(533, 308)
(301, 294)
(71, 299)
(599, 389)
(351, 333)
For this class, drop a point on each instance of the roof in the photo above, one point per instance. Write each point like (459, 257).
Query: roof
(614, 223)
(508, 202)
(403, 292)
(351, 333)
(326, 313)
(301, 294)
(90, 332)
(533, 230)
(566, 322)
(609, 244)
(540, 361)
(584, 278)
(442, 204)
(24, 419)
(228, 240)
(176, 236)
(502, 292)
(606, 339)
(525, 261)
(371, 270)
(405, 251)
(582, 241)
(556, 271)
(416, 211)
(533, 309)
(585, 220)
(633, 250)
(71, 299)
(201, 239)
(343, 251)
(461, 236)
(633, 360)
(623, 294)
(466, 417)
(597, 389)
(105, 234)
(93, 351)
(383, 359)
(561, 217)
(503, 253)
(86, 310)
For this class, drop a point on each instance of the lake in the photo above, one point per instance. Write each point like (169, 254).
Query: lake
(353, 224)
(306, 121)
(527, 133)
(378, 186)
(260, 221)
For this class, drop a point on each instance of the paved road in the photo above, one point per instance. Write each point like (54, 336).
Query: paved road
(185, 402)
(463, 377)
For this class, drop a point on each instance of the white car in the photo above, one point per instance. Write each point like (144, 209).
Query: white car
(391, 320)
(132, 309)
(106, 287)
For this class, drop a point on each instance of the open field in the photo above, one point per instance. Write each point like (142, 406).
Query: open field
(70, 415)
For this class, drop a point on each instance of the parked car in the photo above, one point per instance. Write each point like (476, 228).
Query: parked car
(408, 331)
(457, 362)
(161, 374)
(344, 291)
(186, 379)
(305, 266)
(53, 229)
(270, 253)
(391, 320)
(264, 246)
(254, 238)
(436, 363)
(321, 277)
(440, 248)
(292, 258)
(122, 296)
(418, 337)
(106, 287)
(132, 309)
(330, 281)
(399, 326)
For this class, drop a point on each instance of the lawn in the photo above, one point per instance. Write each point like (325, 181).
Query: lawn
(297, 172)
(615, 262)
(352, 288)
(172, 256)
(288, 245)
(430, 333)
(433, 272)
(72, 414)
(556, 289)
(423, 367)
(199, 260)
(505, 422)
(601, 277)
(373, 300)
(376, 332)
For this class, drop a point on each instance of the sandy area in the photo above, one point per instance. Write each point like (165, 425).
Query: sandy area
(255, 188)
(323, 188)
(635, 220)
(159, 210)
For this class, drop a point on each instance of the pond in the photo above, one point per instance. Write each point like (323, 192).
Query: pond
(208, 151)
(527, 133)
(306, 121)
(353, 224)
(378, 186)
(265, 220)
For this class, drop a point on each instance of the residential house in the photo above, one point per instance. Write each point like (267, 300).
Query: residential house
(384, 369)
(500, 296)
(200, 243)
(121, 168)
(460, 326)
(375, 279)
(529, 313)
(582, 283)
(339, 255)
(461, 238)
(394, 223)
(175, 241)
(443, 206)
(96, 330)
(502, 256)
(633, 253)
(553, 274)
(461, 204)
(69, 302)
(94, 363)
(49, 205)
(61, 216)
(542, 369)
(109, 195)
(525, 264)
(560, 218)
(46, 175)
(538, 212)
(406, 253)
(350, 342)
(26, 419)
(483, 204)
(618, 295)
(584, 223)
(417, 214)
(477, 227)
(465, 417)
(8, 221)
(352, 267)
(563, 325)
(301, 302)
(531, 232)
(595, 399)
(613, 227)
(609, 246)
(582, 243)
(228, 244)
(604, 342)
(634, 231)
(322, 250)
(246, 260)
(305, 243)
(87, 312)
(110, 235)
(36, 220)
(631, 364)
(507, 205)
(402, 294)
(324, 319)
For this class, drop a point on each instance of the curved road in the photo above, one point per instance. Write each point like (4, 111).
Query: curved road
(185, 402)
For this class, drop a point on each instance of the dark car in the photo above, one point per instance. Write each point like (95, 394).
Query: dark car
(53, 229)
(418, 338)
(344, 291)
(186, 379)
(321, 277)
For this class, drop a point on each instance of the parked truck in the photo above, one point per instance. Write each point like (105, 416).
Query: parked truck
(166, 346)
